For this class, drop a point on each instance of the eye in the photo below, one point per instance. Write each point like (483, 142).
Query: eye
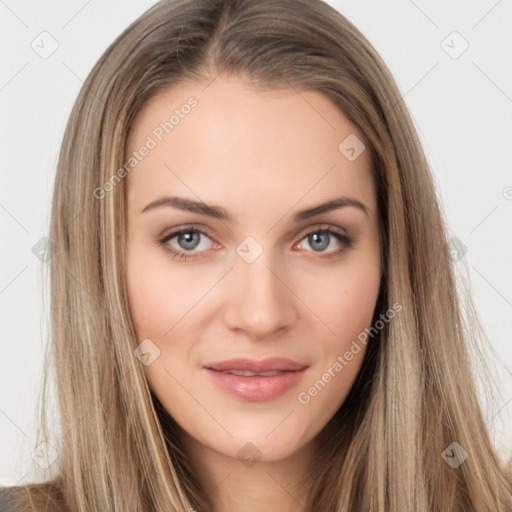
(187, 239)
(324, 237)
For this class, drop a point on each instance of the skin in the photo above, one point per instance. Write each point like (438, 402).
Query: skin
(263, 156)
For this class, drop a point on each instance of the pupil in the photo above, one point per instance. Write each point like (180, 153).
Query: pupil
(323, 244)
(189, 240)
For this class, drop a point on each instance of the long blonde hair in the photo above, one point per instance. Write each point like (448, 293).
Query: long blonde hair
(415, 394)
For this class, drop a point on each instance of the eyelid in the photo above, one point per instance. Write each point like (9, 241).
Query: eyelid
(199, 228)
(345, 238)
(323, 226)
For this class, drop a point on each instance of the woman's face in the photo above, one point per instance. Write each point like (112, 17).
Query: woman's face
(252, 275)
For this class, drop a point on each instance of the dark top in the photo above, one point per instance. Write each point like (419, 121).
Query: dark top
(4, 493)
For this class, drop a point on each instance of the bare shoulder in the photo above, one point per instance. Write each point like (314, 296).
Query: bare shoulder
(31, 497)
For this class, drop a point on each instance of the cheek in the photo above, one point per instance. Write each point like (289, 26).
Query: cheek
(159, 295)
(343, 304)
(346, 308)
(159, 298)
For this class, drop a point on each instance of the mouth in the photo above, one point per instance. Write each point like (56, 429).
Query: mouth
(256, 381)
(246, 373)
(279, 364)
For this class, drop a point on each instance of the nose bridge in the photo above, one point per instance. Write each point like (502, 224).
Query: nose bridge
(260, 303)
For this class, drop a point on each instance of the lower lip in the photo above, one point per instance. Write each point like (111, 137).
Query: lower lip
(256, 389)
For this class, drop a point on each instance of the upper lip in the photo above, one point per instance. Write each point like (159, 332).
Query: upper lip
(255, 366)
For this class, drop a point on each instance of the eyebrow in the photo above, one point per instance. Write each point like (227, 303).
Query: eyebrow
(218, 212)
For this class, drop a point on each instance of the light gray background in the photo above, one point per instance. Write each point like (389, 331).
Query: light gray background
(461, 107)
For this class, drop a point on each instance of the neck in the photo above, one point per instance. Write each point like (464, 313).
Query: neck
(247, 484)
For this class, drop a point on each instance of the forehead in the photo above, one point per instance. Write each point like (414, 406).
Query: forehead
(227, 141)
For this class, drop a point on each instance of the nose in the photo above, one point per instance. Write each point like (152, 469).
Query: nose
(260, 301)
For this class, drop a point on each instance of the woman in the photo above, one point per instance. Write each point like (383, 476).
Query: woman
(252, 298)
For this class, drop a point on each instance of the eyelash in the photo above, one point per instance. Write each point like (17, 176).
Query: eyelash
(346, 240)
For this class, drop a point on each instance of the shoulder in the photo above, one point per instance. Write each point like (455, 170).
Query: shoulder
(6, 494)
(30, 497)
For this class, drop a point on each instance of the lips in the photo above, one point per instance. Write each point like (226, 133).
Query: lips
(256, 381)
(245, 373)
(254, 367)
